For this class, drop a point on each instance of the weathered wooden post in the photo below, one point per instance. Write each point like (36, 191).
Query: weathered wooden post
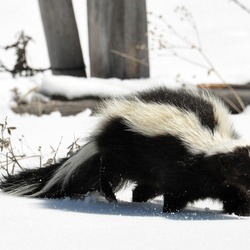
(62, 37)
(117, 34)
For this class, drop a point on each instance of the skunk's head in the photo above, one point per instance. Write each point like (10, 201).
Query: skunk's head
(235, 167)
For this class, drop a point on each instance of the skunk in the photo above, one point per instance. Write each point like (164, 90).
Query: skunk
(175, 143)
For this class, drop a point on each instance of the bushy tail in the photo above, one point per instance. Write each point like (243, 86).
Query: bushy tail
(28, 182)
(76, 175)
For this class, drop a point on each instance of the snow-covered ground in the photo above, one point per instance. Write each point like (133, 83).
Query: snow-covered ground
(224, 30)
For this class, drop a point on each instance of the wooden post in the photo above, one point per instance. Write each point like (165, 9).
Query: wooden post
(62, 37)
(117, 36)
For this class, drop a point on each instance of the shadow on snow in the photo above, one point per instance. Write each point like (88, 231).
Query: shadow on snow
(122, 208)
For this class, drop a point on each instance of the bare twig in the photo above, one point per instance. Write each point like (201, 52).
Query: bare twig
(6, 145)
(4, 68)
(9, 158)
(132, 58)
(73, 147)
(13, 157)
(224, 83)
(186, 15)
(54, 152)
(242, 6)
(174, 53)
(21, 98)
(21, 67)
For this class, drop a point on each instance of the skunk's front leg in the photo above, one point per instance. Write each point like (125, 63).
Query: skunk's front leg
(106, 186)
(235, 200)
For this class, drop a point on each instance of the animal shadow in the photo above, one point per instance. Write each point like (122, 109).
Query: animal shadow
(123, 208)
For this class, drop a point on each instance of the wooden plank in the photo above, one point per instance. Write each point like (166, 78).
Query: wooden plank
(117, 31)
(66, 108)
(223, 86)
(230, 94)
(229, 98)
(62, 37)
(39, 106)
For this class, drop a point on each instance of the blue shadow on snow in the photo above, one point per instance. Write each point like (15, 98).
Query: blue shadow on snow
(122, 208)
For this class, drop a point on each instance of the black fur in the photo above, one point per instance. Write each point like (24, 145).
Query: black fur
(183, 100)
(158, 165)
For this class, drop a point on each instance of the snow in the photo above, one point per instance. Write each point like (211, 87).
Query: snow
(72, 87)
(93, 223)
(48, 224)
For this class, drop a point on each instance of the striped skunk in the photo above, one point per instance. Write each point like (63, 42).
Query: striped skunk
(175, 143)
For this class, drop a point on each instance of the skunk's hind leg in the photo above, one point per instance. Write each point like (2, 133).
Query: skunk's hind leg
(144, 192)
(106, 185)
(174, 203)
